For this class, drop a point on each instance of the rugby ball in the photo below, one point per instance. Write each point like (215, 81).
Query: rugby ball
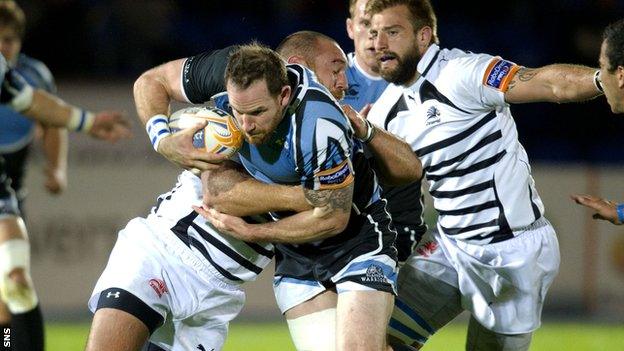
(220, 136)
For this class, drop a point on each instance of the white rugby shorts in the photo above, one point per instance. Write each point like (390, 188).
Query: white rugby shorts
(503, 284)
(152, 264)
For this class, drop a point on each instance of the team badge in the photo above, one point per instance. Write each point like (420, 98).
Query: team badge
(499, 73)
(374, 273)
(433, 116)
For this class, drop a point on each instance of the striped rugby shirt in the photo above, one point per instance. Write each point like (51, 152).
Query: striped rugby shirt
(235, 260)
(458, 123)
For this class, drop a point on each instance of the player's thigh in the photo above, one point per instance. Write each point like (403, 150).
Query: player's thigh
(424, 305)
(116, 330)
(325, 300)
(481, 339)
(314, 317)
(362, 319)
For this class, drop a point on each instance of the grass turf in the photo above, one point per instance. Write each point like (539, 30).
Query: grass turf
(274, 336)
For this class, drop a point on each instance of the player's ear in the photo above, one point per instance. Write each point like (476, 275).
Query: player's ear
(297, 59)
(350, 28)
(423, 38)
(619, 74)
(284, 97)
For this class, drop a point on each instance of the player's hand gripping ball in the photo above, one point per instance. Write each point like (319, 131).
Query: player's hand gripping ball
(220, 136)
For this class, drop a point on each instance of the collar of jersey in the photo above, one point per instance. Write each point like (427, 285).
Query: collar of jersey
(427, 57)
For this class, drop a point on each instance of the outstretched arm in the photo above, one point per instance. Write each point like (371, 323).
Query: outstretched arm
(553, 83)
(605, 209)
(52, 111)
(394, 159)
(230, 189)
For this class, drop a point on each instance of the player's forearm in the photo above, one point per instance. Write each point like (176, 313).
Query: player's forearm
(571, 83)
(55, 148)
(150, 96)
(300, 228)
(229, 189)
(154, 89)
(49, 110)
(557, 83)
(395, 161)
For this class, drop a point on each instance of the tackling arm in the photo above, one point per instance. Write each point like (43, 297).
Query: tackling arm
(229, 189)
(330, 216)
(394, 159)
(554, 83)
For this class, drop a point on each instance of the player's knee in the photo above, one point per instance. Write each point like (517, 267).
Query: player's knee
(16, 288)
(314, 331)
(481, 339)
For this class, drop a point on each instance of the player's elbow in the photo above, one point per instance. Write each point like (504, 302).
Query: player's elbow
(337, 222)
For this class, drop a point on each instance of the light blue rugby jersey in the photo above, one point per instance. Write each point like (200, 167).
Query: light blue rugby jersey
(363, 88)
(17, 131)
(312, 146)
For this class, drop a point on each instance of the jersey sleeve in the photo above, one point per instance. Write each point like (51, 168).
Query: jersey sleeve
(203, 75)
(480, 81)
(323, 148)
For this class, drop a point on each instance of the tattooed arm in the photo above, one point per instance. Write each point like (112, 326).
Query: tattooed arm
(554, 83)
(230, 189)
(329, 217)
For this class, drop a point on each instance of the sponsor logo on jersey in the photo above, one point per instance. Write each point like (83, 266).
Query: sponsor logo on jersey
(427, 248)
(433, 116)
(499, 73)
(374, 274)
(159, 286)
(336, 177)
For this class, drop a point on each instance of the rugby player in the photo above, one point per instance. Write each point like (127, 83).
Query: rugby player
(196, 79)
(611, 79)
(16, 287)
(405, 203)
(494, 254)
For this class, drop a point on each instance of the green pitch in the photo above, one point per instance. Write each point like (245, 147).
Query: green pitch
(271, 337)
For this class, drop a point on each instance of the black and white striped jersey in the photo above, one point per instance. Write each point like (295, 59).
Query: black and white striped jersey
(459, 125)
(235, 260)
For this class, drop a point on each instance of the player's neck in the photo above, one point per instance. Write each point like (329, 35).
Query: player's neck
(365, 68)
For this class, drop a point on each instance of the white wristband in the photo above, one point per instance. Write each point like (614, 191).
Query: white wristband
(23, 99)
(598, 82)
(157, 128)
(80, 120)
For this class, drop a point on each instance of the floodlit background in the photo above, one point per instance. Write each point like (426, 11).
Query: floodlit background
(96, 49)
